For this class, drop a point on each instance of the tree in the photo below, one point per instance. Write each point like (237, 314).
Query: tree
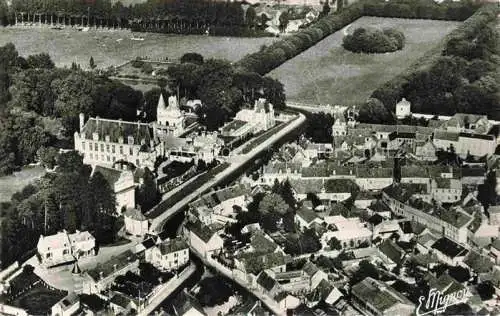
(92, 63)
(319, 127)
(193, 58)
(335, 244)
(148, 195)
(485, 290)
(375, 112)
(366, 269)
(284, 19)
(251, 17)
(326, 9)
(47, 156)
(38, 61)
(150, 106)
(273, 203)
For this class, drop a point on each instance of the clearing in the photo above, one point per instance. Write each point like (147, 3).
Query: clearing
(328, 74)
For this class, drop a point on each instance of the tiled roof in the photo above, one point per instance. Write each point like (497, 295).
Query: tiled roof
(339, 185)
(115, 263)
(444, 135)
(378, 294)
(172, 245)
(200, 230)
(117, 129)
(374, 172)
(262, 244)
(110, 174)
(306, 214)
(392, 251)
(404, 191)
(310, 268)
(266, 281)
(304, 186)
(120, 300)
(478, 263)
(449, 248)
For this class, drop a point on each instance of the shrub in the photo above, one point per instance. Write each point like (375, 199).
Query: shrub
(370, 40)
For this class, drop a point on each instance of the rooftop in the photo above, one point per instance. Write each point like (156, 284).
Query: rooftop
(392, 251)
(261, 243)
(200, 230)
(135, 214)
(378, 294)
(306, 214)
(113, 264)
(173, 245)
(449, 248)
(117, 129)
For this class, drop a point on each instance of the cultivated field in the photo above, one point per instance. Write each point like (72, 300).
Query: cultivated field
(113, 47)
(328, 74)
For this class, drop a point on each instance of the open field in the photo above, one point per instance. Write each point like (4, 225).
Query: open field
(17, 181)
(114, 47)
(329, 74)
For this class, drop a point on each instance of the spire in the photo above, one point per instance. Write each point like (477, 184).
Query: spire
(161, 101)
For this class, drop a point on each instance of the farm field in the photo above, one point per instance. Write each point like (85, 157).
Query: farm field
(114, 47)
(329, 74)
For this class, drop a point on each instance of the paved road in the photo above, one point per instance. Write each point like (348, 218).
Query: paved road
(236, 162)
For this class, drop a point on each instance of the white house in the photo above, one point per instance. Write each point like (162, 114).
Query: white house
(67, 306)
(135, 222)
(349, 231)
(203, 239)
(63, 247)
(170, 118)
(169, 255)
(123, 185)
(306, 218)
(261, 117)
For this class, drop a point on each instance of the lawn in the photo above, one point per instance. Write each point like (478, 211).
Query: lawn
(328, 74)
(115, 47)
(17, 181)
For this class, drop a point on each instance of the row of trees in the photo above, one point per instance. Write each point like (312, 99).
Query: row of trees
(68, 199)
(370, 40)
(460, 78)
(274, 55)
(173, 16)
(422, 9)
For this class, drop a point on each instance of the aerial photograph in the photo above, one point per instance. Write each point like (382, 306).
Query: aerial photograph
(249, 157)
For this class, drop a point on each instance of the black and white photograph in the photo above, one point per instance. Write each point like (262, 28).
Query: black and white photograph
(249, 157)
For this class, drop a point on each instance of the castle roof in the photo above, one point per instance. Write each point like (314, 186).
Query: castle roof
(117, 130)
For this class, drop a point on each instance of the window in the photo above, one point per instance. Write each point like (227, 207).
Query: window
(113, 149)
(121, 150)
(102, 147)
(83, 145)
(96, 147)
(48, 255)
(90, 146)
(107, 148)
(108, 159)
(131, 151)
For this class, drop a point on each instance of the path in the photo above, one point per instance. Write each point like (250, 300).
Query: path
(236, 163)
(168, 288)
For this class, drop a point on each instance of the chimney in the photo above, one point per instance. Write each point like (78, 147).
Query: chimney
(82, 121)
(101, 274)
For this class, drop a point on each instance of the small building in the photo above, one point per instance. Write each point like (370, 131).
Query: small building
(65, 248)
(202, 238)
(376, 298)
(403, 109)
(169, 255)
(122, 305)
(449, 251)
(393, 253)
(135, 222)
(306, 218)
(68, 306)
(286, 301)
(267, 284)
(187, 305)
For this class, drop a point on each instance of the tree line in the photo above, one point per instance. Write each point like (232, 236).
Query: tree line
(270, 57)
(458, 76)
(371, 40)
(173, 16)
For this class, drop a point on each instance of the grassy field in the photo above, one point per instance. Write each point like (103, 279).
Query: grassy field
(328, 74)
(115, 46)
(16, 182)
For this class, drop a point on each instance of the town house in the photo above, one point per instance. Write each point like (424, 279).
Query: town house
(64, 247)
(171, 254)
(202, 239)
